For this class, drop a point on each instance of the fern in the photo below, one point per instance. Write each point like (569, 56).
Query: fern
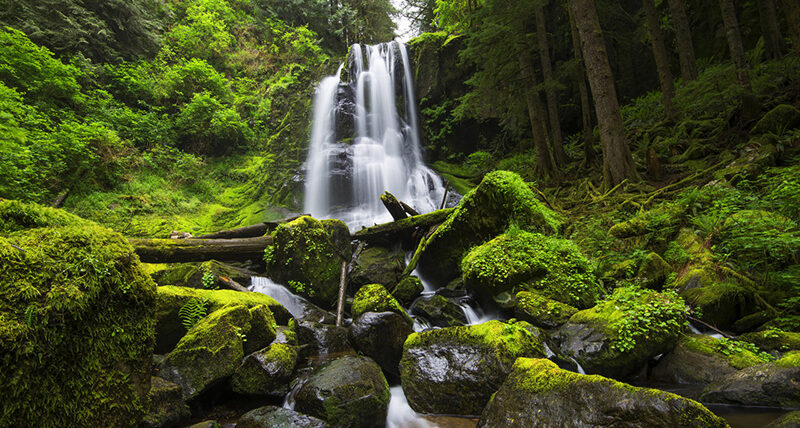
(193, 311)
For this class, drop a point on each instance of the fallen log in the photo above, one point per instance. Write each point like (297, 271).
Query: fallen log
(231, 284)
(394, 206)
(252, 231)
(200, 250)
(397, 230)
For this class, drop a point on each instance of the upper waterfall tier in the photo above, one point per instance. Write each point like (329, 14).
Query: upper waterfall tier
(365, 140)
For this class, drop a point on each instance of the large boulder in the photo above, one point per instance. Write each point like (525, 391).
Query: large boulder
(375, 298)
(266, 372)
(439, 311)
(541, 311)
(378, 265)
(350, 391)
(700, 360)
(306, 258)
(209, 352)
(778, 120)
(500, 200)
(318, 339)
(554, 268)
(773, 341)
(262, 329)
(775, 384)
(170, 300)
(789, 420)
(455, 370)
(619, 335)
(76, 322)
(408, 289)
(167, 407)
(539, 394)
(272, 416)
(380, 336)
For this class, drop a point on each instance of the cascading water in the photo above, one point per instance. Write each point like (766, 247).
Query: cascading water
(365, 140)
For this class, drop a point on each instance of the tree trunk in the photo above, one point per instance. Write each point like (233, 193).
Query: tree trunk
(544, 156)
(770, 28)
(617, 160)
(791, 10)
(683, 36)
(660, 54)
(735, 45)
(389, 233)
(252, 231)
(589, 154)
(550, 91)
(393, 206)
(200, 250)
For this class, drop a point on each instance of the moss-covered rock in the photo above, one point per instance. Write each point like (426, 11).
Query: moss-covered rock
(701, 360)
(262, 329)
(193, 274)
(266, 372)
(169, 301)
(789, 420)
(76, 322)
(774, 384)
(306, 258)
(378, 265)
(455, 370)
(538, 393)
(209, 352)
(340, 237)
(541, 311)
(380, 336)
(773, 341)
(554, 268)
(408, 289)
(272, 416)
(500, 200)
(167, 407)
(318, 339)
(350, 392)
(653, 271)
(439, 311)
(375, 298)
(618, 336)
(781, 118)
(665, 217)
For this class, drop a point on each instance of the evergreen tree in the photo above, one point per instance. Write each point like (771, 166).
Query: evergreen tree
(683, 38)
(660, 53)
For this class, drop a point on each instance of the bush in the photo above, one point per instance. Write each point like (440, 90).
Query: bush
(206, 126)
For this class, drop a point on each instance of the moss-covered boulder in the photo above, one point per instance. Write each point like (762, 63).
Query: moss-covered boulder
(375, 298)
(201, 275)
(76, 322)
(701, 360)
(350, 391)
(781, 118)
(664, 217)
(774, 384)
(262, 329)
(653, 271)
(407, 290)
(209, 352)
(538, 393)
(340, 237)
(170, 300)
(455, 370)
(773, 341)
(789, 420)
(380, 336)
(500, 200)
(618, 336)
(541, 311)
(167, 407)
(273, 416)
(439, 311)
(266, 372)
(554, 268)
(306, 258)
(378, 265)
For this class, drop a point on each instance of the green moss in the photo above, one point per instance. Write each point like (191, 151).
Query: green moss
(789, 360)
(734, 352)
(375, 298)
(662, 219)
(774, 340)
(541, 311)
(408, 289)
(654, 270)
(778, 120)
(266, 372)
(262, 332)
(553, 267)
(76, 322)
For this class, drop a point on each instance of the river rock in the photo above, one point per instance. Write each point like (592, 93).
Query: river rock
(380, 336)
(317, 339)
(350, 391)
(273, 416)
(539, 394)
(262, 329)
(554, 268)
(789, 420)
(455, 370)
(541, 311)
(439, 311)
(773, 341)
(266, 372)
(378, 265)
(775, 384)
(700, 360)
(209, 352)
(407, 290)
(375, 298)
(501, 199)
(167, 407)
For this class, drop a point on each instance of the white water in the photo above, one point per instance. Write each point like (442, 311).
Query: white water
(293, 303)
(346, 174)
(401, 415)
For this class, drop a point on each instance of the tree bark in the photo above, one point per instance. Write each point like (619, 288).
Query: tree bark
(791, 10)
(683, 37)
(617, 160)
(660, 54)
(396, 231)
(200, 250)
(589, 153)
(770, 28)
(556, 135)
(394, 206)
(735, 45)
(544, 156)
(252, 231)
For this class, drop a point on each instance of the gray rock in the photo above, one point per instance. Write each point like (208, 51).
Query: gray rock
(266, 372)
(380, 336)
(318, 339)
(167, 407)
(272, 416)
(378, 265)
(439, 311)
(773, 384)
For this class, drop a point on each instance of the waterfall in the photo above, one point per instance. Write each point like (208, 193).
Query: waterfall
(365, 140)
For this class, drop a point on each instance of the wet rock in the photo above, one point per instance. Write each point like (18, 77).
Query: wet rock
(273, 416)
(455, 370)
(380, 336)
(775, 384)
(262, 329)
(407, 290)
(541, 311)
(266, 372)
(206, 424)
(789, 420)
(773, 341)
(699, 359)
(538, 393)
(316, 339)
(340, 237)
(167, 407)
(209, 352)
(378, 265)
(439, 311)
(777, 120)
(552, 267)
(350, 391)
(285, 335)
(375, 298)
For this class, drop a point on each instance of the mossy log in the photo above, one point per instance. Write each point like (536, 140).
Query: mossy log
(200, 250)
(394, 206)
(397, 230)
(252, 231)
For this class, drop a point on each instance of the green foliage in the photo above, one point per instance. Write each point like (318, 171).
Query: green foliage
(206, 126)
(730, 347)
(193, 311)
(208, 279)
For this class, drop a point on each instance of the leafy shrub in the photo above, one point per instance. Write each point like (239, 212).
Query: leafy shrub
(182, 81)
(206, 126)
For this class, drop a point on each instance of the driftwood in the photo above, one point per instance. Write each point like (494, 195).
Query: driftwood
(200, 250)
(446, 189)
(395, 231)
(231, 284)
(252, 231)
(342, 288)
(409, 209)
(394, 206)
